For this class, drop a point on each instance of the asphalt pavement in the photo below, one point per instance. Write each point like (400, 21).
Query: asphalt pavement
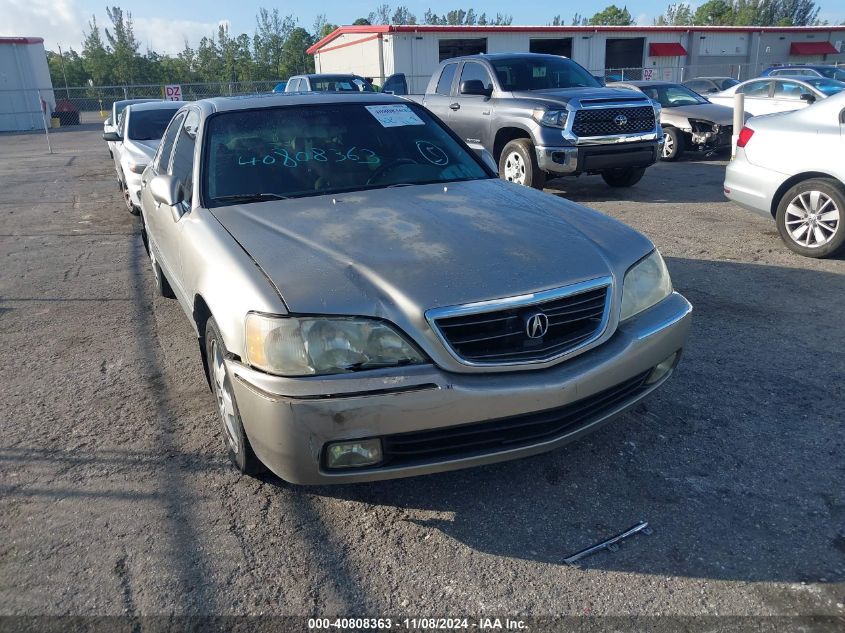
(116, 496)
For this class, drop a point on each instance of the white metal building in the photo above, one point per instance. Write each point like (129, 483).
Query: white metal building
(673, 53)
(24, 75)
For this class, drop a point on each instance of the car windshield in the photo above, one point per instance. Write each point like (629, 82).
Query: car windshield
(541, 73)
(316, 149)
(340, 83)
(673, 95)
(827, 86)
(149, 125)
(833, 73)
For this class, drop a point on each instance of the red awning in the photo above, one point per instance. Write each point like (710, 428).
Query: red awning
(812, 48)
(666, 49)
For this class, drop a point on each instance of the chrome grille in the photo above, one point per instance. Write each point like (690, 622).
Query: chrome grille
(500, 336)
(603, 122)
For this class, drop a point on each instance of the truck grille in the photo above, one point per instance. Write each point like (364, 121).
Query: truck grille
(502, 336)
(508, 433)
(611, 121)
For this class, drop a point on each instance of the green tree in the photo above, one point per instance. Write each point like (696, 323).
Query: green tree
(96, 59)
(403, 15)
(714, 13)
(381, 15)
(676, 15)
(612, 16)
(124, 46)
(361, 22)
(272, 30)
(295, 59)
(68, 66)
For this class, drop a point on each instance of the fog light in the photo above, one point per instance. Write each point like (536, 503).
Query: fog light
(661, 369)
(353, 454)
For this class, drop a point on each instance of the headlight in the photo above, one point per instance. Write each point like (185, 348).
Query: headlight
(551, 118)
(647, 282)
(308, 346)
(137, 168)
(657, 109)
(701, 126)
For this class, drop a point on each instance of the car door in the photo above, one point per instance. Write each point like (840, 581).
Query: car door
(158, 218)
(790, 95)
(471, 120)
(117, 146)
(440, 102)
(758, 96)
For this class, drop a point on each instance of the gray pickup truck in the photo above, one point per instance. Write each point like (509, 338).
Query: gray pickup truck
(543, 116)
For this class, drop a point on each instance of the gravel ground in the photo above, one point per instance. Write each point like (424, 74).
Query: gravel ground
(117, 497)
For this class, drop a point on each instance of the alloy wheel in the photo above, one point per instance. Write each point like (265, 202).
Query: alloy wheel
(515, 168)
(812, 219)
(668, 145)
(225, 398)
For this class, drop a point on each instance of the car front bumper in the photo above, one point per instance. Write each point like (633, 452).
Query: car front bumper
(564, 161)
(750, 186)
(290, 421)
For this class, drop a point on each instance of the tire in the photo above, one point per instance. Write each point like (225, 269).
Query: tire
(163, 288)
(623, 176)
(674, 144)
(810, 215)
(127, 200)
(518, 163)
(234, 437)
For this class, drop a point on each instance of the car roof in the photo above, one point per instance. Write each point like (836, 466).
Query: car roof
(494, 56)
(159, 104)
(133, 101)
(710, 78)
(276, 99)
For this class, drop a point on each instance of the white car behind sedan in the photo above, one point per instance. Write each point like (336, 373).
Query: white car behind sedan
(789, 167)
(768, 95)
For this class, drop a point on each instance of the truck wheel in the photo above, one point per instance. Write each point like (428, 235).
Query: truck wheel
(673, 143)
(810, 215)
(234, 437)
(623, 176)
(518, 163)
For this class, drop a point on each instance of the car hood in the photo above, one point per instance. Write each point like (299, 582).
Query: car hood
(720, 114)
(404, 250)
(565, 95)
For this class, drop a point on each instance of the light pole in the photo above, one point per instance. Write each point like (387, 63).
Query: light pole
(62, 62)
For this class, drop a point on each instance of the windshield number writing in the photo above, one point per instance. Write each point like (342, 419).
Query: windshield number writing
(281, 156)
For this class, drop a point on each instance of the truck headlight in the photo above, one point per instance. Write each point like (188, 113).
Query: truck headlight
(657, 109)
(551, 118)
(646, 283)
(309, 346)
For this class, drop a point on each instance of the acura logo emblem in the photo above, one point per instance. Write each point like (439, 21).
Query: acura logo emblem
(536, 325)
(621, 120)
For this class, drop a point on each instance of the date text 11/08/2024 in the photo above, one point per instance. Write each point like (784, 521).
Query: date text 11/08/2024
(485, 623)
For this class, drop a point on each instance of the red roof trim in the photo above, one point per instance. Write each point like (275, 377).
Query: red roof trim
(345, 44)
(432, 28)
(21, 40)
(812, 48)
(666, 49)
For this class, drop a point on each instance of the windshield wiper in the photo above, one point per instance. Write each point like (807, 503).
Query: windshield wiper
(250, 197)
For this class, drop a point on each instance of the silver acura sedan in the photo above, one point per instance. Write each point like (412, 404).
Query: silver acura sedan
(372, 302)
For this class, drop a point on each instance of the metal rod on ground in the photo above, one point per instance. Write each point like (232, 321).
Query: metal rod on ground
(739, 120)
(610, 543)
(42, 106)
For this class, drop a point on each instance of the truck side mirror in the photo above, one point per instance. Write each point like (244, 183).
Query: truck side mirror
(476, 88)
(112, 137)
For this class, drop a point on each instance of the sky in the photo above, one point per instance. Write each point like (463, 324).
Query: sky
(164, 25)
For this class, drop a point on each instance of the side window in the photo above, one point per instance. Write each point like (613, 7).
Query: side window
(444, 84)
(293, 85)
(165, 148)
(789, 90)
(698, 86)
(756, 89)
(473, 71)
(182, 165)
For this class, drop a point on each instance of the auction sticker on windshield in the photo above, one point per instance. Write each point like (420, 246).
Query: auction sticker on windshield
(394, 115)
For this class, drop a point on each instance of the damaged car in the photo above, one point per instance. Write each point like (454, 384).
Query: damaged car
(372, 301)
(690, 122)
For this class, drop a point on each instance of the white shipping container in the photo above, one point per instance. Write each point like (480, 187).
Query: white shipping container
(23, 74)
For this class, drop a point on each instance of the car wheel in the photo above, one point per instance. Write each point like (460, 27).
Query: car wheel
(162, 285)
(518, 163)
(809, 217)
(234, 437)
(673, 143)
(127, 200)
(624, 176)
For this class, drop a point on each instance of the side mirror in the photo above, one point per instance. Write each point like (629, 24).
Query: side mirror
(808, 97)
(113, 137)
(476, 88)
(166, 190)
(487, 159)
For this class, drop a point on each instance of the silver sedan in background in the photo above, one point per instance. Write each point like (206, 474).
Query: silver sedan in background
(789, 167)
(371, 301)
(768, 95)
